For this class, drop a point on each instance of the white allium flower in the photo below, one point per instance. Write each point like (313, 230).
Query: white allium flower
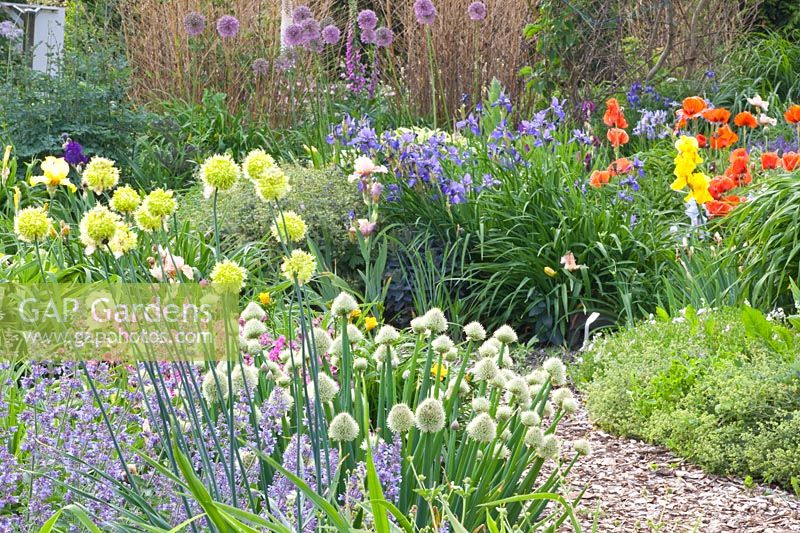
(244, 374)
(452, 355)
(537, 377)
(380, 353)
(504, 413)
(442, 344)
(570, 405)
(547, 412)
(559, 395)
(503, 452)
(430, 416)
(488, 349)
(435, 320)
(481, 404)
(529, 418)
(485, 370)
(253, 311)
(211, 393)
(549, 448)
(360, 364)
(253, 329)
(328, 388)
(400, 418)
(223, 366)
(354, 334)
(517, 386)
(343, 305)
(558, 372)
(406, 374)
(336, 346)
(482, 428)
(582, 447)
(505, 334)
(343, 428)
(418, 325)
(322, 341)
(474, 331)
(253, 347)
(387, 335)
(506, 435)
(534, 437)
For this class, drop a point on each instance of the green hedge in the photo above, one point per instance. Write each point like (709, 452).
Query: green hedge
(720, 388)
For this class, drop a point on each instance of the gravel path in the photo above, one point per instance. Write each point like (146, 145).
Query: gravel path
(635, 486)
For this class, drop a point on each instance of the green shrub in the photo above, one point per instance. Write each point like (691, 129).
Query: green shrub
(322, 197)
(720, 388)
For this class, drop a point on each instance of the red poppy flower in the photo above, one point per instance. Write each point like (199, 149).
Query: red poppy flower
(791, 161)
(702, 142)
(723, 137)
(745, 119)
(718, 208)
(599, 178)
(692, 107)
(614, 117)
(617, 137)
(770, 160)
(717, 116)
(792, 115)
(620, 166)
(720, 185)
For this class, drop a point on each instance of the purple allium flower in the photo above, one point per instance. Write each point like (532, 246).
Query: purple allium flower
(477, 11)
(73, 153)
(301, 13)
(311, 30)
(10, 31)
(425, 11)
(284, 62)
(194, 24)
(367, 20)
(260, 67)
(384, 37)
(294, 35)
(368, 36)
(331, 34)
(227, 26)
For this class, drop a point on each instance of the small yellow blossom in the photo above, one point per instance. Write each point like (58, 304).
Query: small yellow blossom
(439, 371)
(264, 298)
(354, 314)
(550, 272)
(370, 323)
(218, 173)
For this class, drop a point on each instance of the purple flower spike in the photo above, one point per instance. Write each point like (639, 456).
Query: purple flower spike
(294, 35)
(477, 11)
(194, 24)
(384, 37)
(301, 13)
(228, 26)
(331, 34)
(425, 12)
(367, 20)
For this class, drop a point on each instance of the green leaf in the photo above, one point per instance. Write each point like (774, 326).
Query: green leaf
(77, 512)
(200, 493)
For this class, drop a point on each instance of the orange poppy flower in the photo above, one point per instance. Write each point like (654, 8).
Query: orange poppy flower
(792, 115)
(745, 119)
(614, 117)
(791, 161)
(718, 208)
(702, 142)
(692, 107)
(617, 137)
(599, 178)
(717, 116)
(620, 166)
(770, 160)
(723, 137)
(720, 185)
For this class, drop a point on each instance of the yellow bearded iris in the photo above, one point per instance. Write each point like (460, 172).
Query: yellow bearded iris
(55, 170)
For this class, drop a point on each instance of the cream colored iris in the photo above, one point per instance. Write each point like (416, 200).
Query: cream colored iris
(55, 171)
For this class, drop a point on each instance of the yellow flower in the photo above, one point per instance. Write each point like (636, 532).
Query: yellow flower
(370, 323)
(264, 298)
(218, 173)
(439, 371)
(550, 272)
(272, 184)
(17, 195)
(55, 170)
(355, 313)
(687, 144)
(699, 182)
(100, 174)
(125, 200)
(299, 266)
(229, 274)
(32, 224)
(292, 227)
(160, 203)
(147, 221)
(256, 164)
(124, 241)
(97, 227)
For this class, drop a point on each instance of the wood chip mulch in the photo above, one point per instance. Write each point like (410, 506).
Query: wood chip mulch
(634, 486)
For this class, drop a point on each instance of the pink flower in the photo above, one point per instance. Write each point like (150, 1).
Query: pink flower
(366, 227)
(169, 265)
(364, 167)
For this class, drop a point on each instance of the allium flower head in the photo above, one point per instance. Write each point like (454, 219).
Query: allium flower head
(481, 404)
(160, 202)
(367, 19)
(100, 174)
(311, 30)
(299, 266)
(218, 173)
(194, 24)
(125, 200)
(368, 36)
(260, 67)
(32, 224)
(529, 418)
(582, 447)
(253, 329)
(343, 304)
(272, 185)
(387, 335)
(485, 370)
(477, 11)
(253, 311)
(488, 349)
(354, 334)
(301, 13)
(506, 335)
(214, 388)
(322, 341)
(294, 35)
(517, 386)
(331, 34)
(243, 375)
(360, 364)
(228, 26)
(256, 163)
(229, 275)
(425, 11)
(124, 241)
(418, 325)
(289, 228)
(558, 372)
(474, 331)
(549, 448)
(534, 437)
(504, 413)
(430, 416)
(442, 344)
(482, 428)
(570, 406)
(435, 320)
(328, 388)
(400, 419)
(384, 37)
(97, 227)
(559, 395)
(147, 221)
